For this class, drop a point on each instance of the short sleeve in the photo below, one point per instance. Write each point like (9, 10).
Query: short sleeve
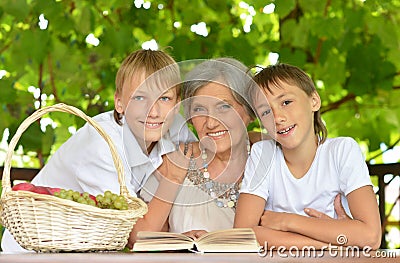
(258, 169)
(351, 165)
(83, 163)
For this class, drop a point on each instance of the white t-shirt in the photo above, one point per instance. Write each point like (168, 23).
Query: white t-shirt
(338, 167)
(84, 162)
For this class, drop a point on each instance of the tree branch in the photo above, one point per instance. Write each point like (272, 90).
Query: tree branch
(5, 47)
(40, 84)
(105, 17)
(170, 7)
(52, 82)
(321, 40)
(335, 105)
(382, 152)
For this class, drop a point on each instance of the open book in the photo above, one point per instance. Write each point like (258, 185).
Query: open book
(229, 240)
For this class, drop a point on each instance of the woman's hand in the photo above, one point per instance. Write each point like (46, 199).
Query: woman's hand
(175, 165)
(195, 234)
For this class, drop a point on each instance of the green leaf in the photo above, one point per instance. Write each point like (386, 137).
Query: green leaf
(31, 139)
(312, 6)
(285, 7)
(296, 57)
(182, 43)
(120, 39)
(7, 92)
(17, 8)
(85, 20)
(36, 44)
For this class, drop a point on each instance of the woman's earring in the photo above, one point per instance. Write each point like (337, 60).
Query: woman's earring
(248, 147)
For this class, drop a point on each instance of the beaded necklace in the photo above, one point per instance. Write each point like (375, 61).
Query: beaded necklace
(223, 194)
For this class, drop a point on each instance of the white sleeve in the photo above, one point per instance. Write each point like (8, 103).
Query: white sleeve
(96, 171)
(258, 168)
(83, 163)
(9, 245)
(180, 132)
(353, 171)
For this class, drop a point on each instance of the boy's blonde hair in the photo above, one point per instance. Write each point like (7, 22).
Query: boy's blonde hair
(149, 62)
(275, 74)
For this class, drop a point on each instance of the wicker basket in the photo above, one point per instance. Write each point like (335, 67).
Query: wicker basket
(50, 224)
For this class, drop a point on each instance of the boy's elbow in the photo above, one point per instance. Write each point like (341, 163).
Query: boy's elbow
(376, 240)
(372, 239)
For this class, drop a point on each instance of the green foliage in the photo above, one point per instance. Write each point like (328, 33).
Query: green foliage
(350, 48)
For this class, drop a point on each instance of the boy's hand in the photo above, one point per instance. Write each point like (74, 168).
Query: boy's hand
(274, 220)
(341, 213)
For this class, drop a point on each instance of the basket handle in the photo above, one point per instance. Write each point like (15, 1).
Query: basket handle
(6, 184)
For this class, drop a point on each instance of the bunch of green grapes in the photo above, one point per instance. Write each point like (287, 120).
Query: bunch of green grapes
(111, 201)
(82, 198)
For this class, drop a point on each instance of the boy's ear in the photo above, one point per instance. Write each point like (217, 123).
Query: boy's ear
(316, 101)
(118, 104)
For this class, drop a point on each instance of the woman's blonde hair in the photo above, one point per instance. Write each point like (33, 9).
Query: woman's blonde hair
(149, 62)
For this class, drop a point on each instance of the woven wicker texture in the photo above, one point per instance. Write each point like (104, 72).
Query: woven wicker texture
(50, 224)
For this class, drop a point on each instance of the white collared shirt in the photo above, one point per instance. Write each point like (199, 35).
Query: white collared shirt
(84, 162)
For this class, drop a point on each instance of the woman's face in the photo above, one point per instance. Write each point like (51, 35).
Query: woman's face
(216, 115)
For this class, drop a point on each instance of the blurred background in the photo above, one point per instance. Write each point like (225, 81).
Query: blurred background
(54, 51)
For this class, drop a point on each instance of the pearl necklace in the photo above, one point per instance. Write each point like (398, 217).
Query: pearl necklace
(224, 194)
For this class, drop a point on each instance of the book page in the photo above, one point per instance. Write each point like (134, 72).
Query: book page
(161, 241)
(229, 240)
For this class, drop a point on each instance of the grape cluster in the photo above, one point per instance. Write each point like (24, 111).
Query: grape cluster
(107, 201)
(111, 201)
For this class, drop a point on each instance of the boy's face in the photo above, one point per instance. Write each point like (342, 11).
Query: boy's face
(149, 108)
(288, 114)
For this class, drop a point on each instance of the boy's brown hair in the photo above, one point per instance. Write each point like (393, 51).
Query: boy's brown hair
(149, 62)
(274, 74)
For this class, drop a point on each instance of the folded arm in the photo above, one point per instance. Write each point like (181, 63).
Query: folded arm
(363, 230)
(249, 210)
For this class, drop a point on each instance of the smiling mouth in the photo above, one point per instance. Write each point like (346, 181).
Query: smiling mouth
(286, 131)
(153, 124)
(216, 134)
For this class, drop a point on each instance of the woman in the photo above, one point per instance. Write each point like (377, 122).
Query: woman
(213, 100)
